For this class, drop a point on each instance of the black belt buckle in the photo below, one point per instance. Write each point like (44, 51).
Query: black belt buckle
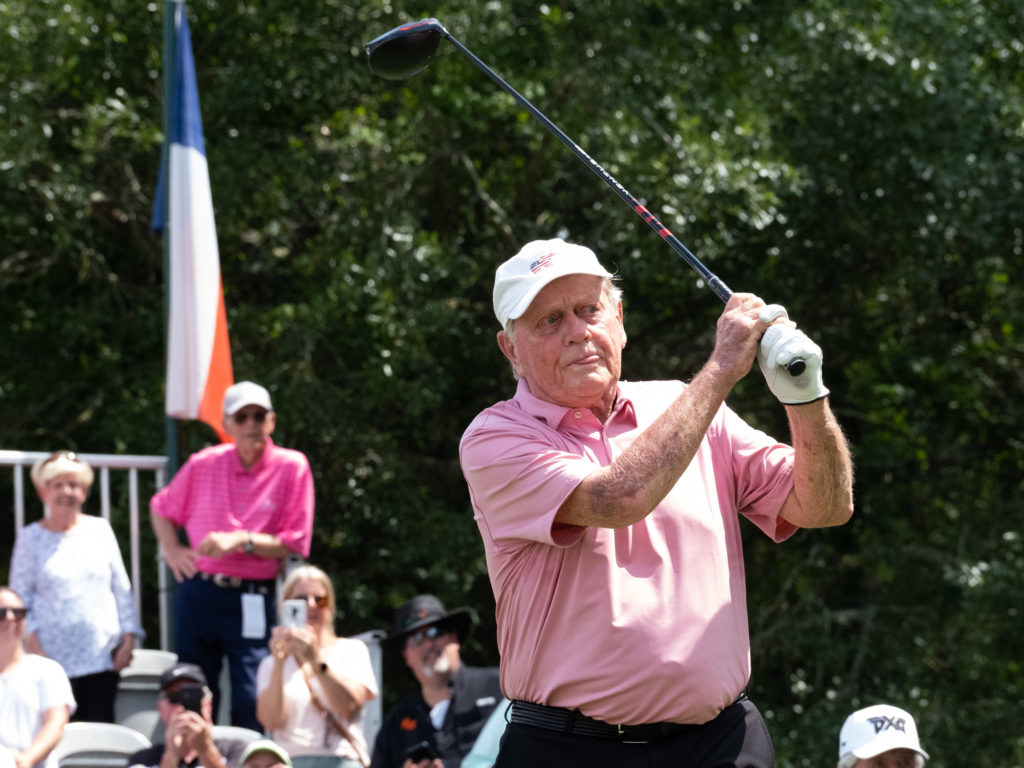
(236, 582)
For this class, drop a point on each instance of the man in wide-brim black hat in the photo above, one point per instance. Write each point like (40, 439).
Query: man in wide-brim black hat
(444, 716)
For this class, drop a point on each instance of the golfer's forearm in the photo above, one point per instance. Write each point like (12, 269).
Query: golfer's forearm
(822, 469)
(635, 483)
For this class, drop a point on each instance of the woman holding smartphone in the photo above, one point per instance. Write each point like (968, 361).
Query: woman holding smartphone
(313, 686)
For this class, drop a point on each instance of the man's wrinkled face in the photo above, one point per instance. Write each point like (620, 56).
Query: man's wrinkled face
(568, 344)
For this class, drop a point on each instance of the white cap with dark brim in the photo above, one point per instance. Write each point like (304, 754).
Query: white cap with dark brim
(518, 281)
(873, 730)
(244, 393)
(265, 745)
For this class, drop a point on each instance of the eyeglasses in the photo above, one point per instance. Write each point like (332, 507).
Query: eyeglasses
(241, 417)
(16, 614)
(432, 632)
(320, 601)
(69, 455)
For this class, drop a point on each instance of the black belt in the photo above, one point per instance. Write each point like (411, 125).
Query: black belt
(578, 724)
(237, 582)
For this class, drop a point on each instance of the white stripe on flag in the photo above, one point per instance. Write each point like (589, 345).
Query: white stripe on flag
(195, 281)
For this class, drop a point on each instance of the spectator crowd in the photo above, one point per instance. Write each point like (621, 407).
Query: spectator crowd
(609, 515)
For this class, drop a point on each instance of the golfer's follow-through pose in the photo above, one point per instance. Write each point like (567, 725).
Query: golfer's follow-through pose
(609, 514)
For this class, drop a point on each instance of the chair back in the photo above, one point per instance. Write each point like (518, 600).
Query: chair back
(135, 705)
(316, 761)
(236, 732)
(98, 745)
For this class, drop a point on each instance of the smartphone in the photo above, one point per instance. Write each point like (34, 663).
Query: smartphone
(422, 751)
(191, 698)
(293, 613)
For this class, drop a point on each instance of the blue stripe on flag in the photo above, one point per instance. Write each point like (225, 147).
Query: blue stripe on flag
(186, 119)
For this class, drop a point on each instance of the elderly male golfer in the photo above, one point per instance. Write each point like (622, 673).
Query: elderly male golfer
(609, 512)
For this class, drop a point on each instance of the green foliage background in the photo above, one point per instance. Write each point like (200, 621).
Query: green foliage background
(861, 162)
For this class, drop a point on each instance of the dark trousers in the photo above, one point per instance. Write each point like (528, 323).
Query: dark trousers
(737, 738)
(208, 626)
(94, 696)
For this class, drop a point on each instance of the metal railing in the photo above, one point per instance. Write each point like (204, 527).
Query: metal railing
(102, 464)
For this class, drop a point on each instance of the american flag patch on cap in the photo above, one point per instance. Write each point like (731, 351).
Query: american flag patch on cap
(543, 261)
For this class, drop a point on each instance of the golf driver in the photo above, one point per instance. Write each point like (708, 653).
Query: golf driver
(407, 49)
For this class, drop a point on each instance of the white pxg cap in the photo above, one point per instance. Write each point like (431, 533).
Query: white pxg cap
(518, 281)
(873, 730)
(244, 393)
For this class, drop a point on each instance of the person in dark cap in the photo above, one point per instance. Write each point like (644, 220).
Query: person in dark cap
(185, 704)
(435, 726)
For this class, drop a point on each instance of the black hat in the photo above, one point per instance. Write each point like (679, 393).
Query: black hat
(182, 671)
(424, 610)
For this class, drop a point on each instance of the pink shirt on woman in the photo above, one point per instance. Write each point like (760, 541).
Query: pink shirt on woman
(642, 624)
(214, 492)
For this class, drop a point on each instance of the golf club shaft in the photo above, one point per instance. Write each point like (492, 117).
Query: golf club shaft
(713, 282)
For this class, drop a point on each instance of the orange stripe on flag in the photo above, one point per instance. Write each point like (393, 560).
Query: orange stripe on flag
(221, 375)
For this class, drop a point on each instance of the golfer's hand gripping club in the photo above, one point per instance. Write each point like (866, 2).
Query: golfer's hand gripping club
(781, 347)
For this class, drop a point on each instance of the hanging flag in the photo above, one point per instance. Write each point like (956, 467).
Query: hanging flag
(198, 352)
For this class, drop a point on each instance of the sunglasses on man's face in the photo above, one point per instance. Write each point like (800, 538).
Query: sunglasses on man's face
(434, 631)
(243, 416)
(16, 614)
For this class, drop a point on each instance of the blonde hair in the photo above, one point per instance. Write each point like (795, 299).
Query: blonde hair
(311, 573)
(61, 463)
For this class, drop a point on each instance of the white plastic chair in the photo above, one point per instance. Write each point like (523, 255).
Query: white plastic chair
(234, 732)
(98, 745)
(315, 761)
(135, 705)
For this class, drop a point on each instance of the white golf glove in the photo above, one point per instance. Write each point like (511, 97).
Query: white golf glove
(780, 346)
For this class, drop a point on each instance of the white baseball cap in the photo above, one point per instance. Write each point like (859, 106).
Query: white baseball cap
(244, 393)
(518, 281)
(265, 745)
(873, 730)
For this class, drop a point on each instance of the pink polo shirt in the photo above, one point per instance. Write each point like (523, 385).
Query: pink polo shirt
(214, 492)
(637, 625)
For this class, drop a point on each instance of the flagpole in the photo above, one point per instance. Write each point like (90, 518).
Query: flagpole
(170, 425)
(170, 49)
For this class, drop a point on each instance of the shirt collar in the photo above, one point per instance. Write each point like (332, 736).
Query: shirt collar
(552, 414)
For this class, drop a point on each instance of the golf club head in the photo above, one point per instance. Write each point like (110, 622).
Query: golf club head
(405, 50)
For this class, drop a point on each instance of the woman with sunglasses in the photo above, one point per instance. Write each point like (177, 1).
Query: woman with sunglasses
(35, 697)
(313, 686)
(69, 570)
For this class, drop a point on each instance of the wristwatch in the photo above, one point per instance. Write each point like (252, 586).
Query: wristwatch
(249, 547)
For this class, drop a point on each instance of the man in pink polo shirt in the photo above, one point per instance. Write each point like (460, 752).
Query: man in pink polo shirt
(244, 506)
(609, 512)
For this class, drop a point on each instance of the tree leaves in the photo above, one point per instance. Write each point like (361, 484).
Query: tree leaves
(860, 163)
